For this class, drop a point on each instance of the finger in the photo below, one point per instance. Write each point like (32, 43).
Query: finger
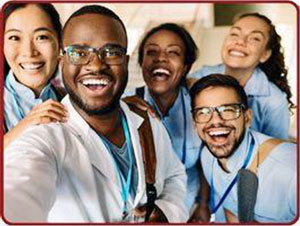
(53, 115)
(50, 106)
(43, 120)
(139, 211)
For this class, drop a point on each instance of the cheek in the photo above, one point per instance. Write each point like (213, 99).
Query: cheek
(10, 54)
(69, 73)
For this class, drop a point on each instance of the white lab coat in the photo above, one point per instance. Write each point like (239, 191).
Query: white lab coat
(62, 172)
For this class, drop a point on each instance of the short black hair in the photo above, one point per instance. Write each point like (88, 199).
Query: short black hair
(190, 45)
(96, 9)
(218, 80)
(48, 8)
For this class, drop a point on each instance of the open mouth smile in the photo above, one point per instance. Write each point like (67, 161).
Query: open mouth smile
(96, 85)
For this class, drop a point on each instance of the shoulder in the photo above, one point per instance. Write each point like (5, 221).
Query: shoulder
(283, 154)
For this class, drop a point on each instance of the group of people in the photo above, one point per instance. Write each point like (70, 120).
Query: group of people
(101, 157)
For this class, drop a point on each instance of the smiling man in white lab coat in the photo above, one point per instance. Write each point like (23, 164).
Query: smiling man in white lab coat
(90, 169)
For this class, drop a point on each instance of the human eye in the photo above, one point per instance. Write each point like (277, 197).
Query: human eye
(13, 38)
(151, 52)
(174, 52)
(255, 38)
(42, 37)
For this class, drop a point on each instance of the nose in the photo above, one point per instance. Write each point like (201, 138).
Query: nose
(28, 48)
(242, 40)
(96, 64)
(215, 118)
(162, 56)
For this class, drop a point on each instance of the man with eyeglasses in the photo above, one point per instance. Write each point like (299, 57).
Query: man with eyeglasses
(91, 168)
(241, 165)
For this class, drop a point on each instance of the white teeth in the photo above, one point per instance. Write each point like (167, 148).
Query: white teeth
(218, 133)
(99, 82)
(237, 53)
(161, 71)
(32, 66)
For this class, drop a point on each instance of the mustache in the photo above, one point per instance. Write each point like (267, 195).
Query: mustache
(218, 125)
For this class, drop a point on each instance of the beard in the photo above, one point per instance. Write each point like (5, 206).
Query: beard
(231, 151)
(90, 110)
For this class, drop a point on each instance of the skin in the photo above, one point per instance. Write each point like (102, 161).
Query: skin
(245, 47)
(31, 46)
(96, 31)
(31, 50)
(96, 105)
(164, 50)
(222, 147)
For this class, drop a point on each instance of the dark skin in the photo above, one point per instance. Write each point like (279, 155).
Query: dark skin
(99, 30)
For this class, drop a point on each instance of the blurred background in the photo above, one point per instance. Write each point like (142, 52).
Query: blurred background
(208, 23)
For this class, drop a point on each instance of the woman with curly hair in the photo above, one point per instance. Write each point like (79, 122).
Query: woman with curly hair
(252, 54)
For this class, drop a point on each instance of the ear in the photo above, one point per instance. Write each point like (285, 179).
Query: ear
(265, 56)
(248, 117)
(185, 70)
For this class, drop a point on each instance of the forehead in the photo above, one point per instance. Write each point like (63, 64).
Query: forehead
(252, 23)
(27, 18)
(165, 37)
(95, 30)
(214, 96)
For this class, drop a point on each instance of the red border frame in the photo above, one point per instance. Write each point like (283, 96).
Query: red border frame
(141, 1)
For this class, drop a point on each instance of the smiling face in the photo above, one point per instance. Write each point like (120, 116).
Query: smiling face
(246, 44)
(220, 136)
(163, 62)
(95, 87)
(31, 46)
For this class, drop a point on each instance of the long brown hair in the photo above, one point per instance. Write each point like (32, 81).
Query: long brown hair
(274, 67)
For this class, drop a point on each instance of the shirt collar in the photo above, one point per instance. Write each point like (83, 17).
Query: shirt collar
(258, 84)
(27, 92)
(177, 106)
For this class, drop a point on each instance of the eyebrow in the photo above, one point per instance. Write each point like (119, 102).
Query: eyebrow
(36, 30)
(254, 31)
(153, 44)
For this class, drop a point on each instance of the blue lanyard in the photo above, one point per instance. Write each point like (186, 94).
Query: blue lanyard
(125, 186)
(184, 128)
(212, 202)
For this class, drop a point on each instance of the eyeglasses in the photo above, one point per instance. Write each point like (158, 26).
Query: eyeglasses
(226, 112)
(82, 55)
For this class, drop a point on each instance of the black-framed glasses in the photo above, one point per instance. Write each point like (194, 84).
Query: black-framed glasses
(226, 112)
(82, 55)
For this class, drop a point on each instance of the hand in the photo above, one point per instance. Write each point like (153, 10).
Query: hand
(156, 215)
(141, 104)
(46, 112)
(201, 213)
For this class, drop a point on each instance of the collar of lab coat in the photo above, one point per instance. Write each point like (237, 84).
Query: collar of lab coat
(97, 151)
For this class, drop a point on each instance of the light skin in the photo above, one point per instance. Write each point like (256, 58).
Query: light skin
(221, 146)
(245, 47)
(163, 67)
(31, 50)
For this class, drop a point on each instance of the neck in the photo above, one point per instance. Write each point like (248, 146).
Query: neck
(108, 125)
(241, 75)
(165, 101)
